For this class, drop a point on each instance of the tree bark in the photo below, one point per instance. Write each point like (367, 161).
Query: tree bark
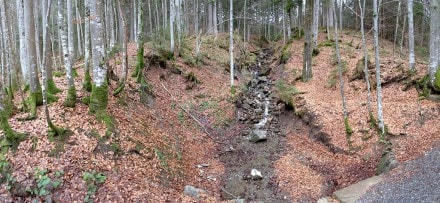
(307, 57)
(377, 61)
(412, 60)
(87, 84)
(99, 96)
(231, 41)
(434, 44)
(315, 23)
(124, 52)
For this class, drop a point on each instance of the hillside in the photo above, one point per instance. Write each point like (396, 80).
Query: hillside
(158, 145)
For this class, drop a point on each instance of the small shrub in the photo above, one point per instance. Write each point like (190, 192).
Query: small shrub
(326, 44)
(93, 179)
(44, 184)
(58, 74)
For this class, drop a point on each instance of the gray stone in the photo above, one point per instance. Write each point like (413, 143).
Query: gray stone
(353, 192)
(258, 135)
(256, 174)
(193, 191)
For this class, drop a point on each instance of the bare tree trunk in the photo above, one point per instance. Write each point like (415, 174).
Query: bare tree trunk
(284, 23)
(22, 38)
(231, 41)
(35, 95)
(307, 60)
(434, 44)
(315, 23)
(140, 44)
(172, 17)
(124, 52)
(412, 60)
(7, 46)
(402, 37)
(397, 26)
(78, 28)
(214, 19)
(348, 129)
(87, 84)
(99, 96)
(364, 46)
(67, 45)
(377, 60)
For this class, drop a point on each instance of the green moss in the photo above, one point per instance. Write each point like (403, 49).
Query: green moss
(98, 98)
(436, 85)
(348, 129)
(285, 92)
(139, 65)
(34, 101)
(87, 84)
(326, 44)
(52, 88)
(422, 85)
(58, 74)
(192, 77)
(86, 100)
(27, 87)
(285, 54)
(119, 89)
(233, 90)
(116, 148)
(74, 72)
(12, 138)
(71, 97)
(315, 52)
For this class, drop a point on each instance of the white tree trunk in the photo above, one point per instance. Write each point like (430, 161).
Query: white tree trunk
(7, 48)
(172, 14)
(178, 7)
(210, 17)
(284, 23)
(315, 29)
(397, 25)
(65, 38)
(434, 41)
(412, 60)
(214, 19)
(377, 60)
(22, 39)
(30, 44)
(78, 28)
(98, 52)
(231, 41)
(364, 47)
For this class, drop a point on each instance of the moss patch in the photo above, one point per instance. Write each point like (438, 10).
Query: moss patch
(285, 92)
(12, 138)
(71, 97)
(52, 88)
(98, 98)
(436, 85)
(87, 84)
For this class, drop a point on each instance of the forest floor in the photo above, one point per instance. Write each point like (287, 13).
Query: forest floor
(157, 147)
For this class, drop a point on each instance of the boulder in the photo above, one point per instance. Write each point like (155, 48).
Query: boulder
(193, 191)
(258, 135)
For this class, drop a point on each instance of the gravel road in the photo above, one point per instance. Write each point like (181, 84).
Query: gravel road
(415, 181)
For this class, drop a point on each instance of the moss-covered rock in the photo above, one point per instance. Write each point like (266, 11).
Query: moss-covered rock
(71, 97)
(99, 98)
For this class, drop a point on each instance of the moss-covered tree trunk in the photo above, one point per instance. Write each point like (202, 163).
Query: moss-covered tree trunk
(140, 40)
(99, 96)
(87, 84)
(66, 33)
(124, 52)
(35, 97)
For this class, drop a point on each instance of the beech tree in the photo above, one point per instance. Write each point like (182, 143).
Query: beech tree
(66, 32)
(377, 61)
(412, 60)
(99, 95)
(307, 60)
(231, 41)
(364, 47)
(87, 84)
(434, 50)
(140, 44)
(35, 97)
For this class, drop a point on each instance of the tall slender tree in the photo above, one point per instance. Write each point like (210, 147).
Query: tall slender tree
(87, 84)
(231, 41)
(412, 60)
(35, 97)
(364, 47)
(99, 95)
(307, 57)
(377, 61)
(123, 78)
(434, 50)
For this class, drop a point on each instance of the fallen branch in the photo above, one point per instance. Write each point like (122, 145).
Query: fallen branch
(187, 112)
(235, 197)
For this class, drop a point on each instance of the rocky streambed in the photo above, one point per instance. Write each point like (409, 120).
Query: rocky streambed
(250, 152)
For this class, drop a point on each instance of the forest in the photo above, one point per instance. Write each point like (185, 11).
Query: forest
(219, 101)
